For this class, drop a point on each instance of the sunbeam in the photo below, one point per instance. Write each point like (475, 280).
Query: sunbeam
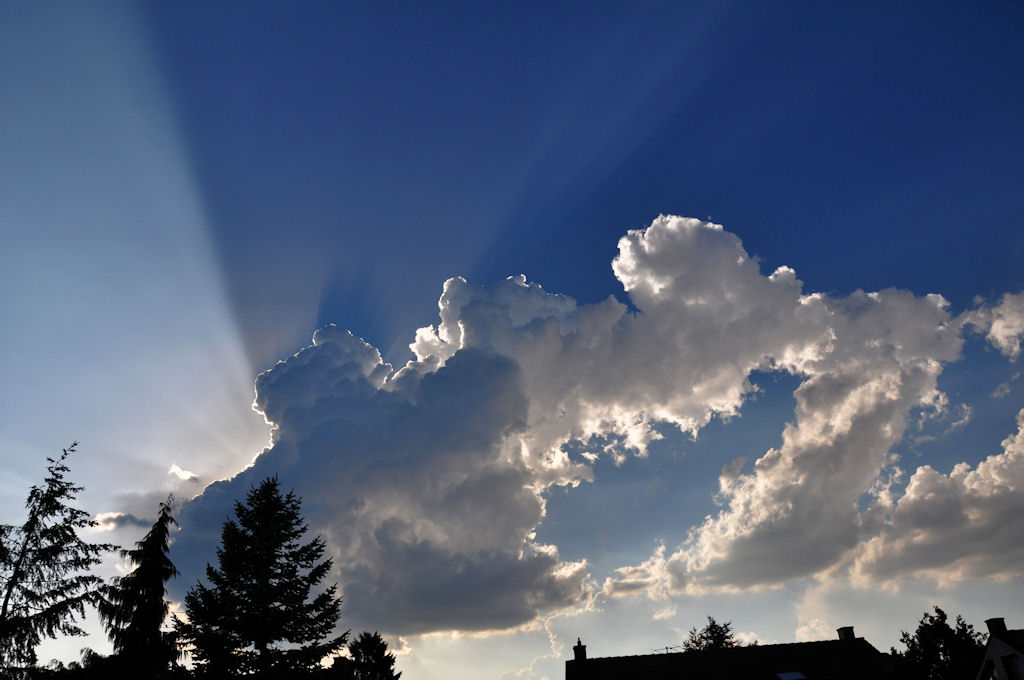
(135, 352)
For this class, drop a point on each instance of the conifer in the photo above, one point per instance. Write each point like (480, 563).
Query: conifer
(371, 659)
(714, 635)
(44, 568)
(134, 607)
(257, 616)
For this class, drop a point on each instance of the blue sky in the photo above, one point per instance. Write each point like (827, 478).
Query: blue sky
(187, 193)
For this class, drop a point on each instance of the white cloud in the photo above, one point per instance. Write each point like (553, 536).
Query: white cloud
(866, 361)
(182, 474)
(749, 637)
(1003, 324)
(430, 481)
(665, 613)
(969, 523)
(649, 578)
(812, 629)
(595, 372)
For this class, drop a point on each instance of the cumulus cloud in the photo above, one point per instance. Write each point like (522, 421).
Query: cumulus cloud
(812, 629)
(969, 523)
(429, 481)
(866, 360)
(414, 483)
(1002, 324)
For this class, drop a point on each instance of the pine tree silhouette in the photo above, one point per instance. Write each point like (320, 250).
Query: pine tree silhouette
(371, 659)
(43, 568)
(257, 617)
(134, 607)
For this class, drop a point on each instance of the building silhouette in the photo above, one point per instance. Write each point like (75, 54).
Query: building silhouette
(847, 658)
(1004, 653)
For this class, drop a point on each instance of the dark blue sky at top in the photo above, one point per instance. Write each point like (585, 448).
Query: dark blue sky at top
(361, 153)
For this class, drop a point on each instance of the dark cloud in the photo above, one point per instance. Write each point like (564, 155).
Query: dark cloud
(429, 588)
(413, 485)
(109, 521)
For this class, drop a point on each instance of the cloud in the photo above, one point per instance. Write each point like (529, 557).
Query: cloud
(182, 474)
(665, 613)
(415, 484)
(969, 523)
(109, 521)
(600, 375)
(1004, 388)
(749, 637)
(965, 417)
(649, 578)
(812, 629)
(866, 360)
(1002, 325)
(429, 481)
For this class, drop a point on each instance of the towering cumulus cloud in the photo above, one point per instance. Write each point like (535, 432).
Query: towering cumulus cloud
(412, 480)
(429, 481)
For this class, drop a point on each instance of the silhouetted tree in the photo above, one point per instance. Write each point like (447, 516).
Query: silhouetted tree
(341, 669)
(134, 607)
(371, 659)
(43, 565)
(712, 636)
(938, 651)
(256, 617)
(92, 666)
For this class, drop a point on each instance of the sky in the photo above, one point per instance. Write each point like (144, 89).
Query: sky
(588, 320)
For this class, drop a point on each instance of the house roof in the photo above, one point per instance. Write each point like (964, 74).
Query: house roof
(853, 659)
(1014, 638)
(1000, 641)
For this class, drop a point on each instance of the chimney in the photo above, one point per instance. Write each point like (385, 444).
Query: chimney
(846, 633)
(996, 626)
(579, 652)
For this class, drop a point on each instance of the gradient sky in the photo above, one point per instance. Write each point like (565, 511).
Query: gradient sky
(188, 192)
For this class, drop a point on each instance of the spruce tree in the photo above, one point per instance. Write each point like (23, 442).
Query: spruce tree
(371, 659)
(44, 568)
(257, 616)
(134, 606)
